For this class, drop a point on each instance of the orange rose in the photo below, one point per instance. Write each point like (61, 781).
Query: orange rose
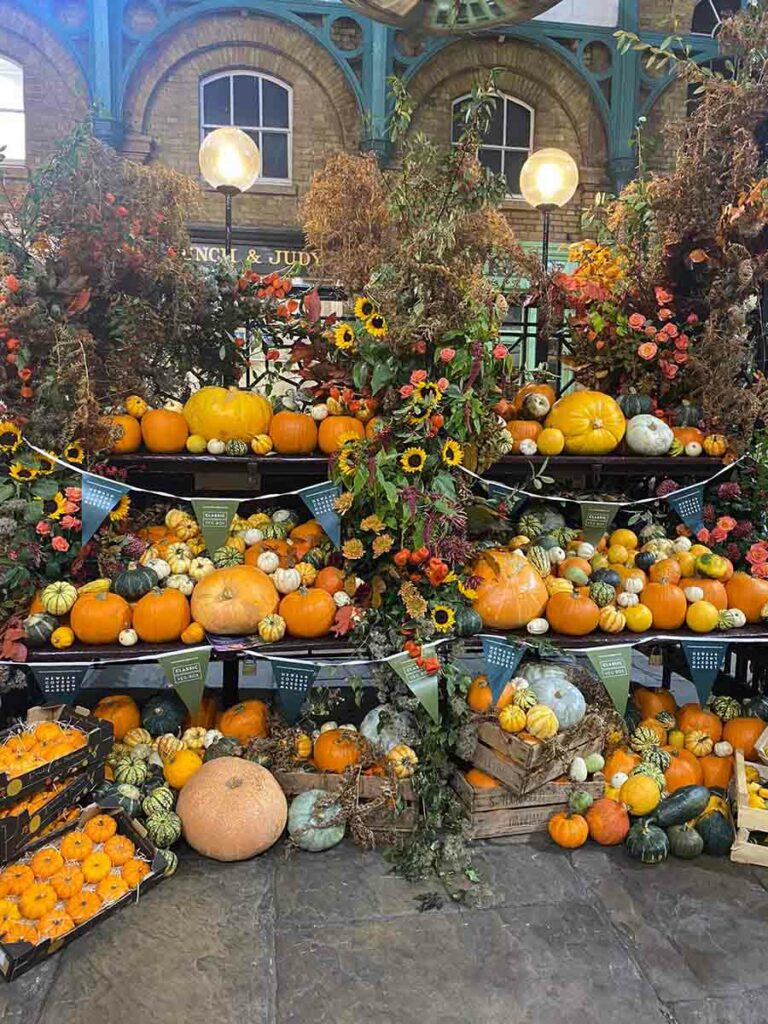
(647, 350)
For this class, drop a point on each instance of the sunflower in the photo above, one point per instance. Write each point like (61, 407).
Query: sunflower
(412, 460)
(18, 471)
(425, 393)
(343, 336)
(45, 465)
(346, 461)
(376, 325)
(59, 506)
(10, 436)
(74, 452)
(364, 308)
(443, 618)
(452, 453)
(469, 592)
(121, 509)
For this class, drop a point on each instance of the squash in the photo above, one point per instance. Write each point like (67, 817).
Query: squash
(568, 830)
(235, 447)
(232, 809)
(748, 594)
(161, 616)
(121, 710)
(58, 598)
(510, 592)
(534, 400)
(684, 804)
(385, 727)
(131, 772)
(667, 605)
(651, 701)
(215, 446)
(164, 431)
(648, 435)
(271, 629)
(128, 638)
(640, 794)
(286, 580)
(699, 743)
(513, 719)
(611, 620)
(233, 601)
(715, 827)
(39, 628)
(608, 822)
(550, 682)
(99, 618)
(541, 722)
(717, 769)
(181, 766)
(523, 430)
(684, 841)
(743, 734)
(293, 433)
(634, 404)
(135, 581)
(228, 414)
(62, 637)
(572, 614)
(163, 713)
(591, 422)
(316, 821)
(245, 721)
(261, 444)
(550, 441)
(715, 445)
(163, 828)
(159, 799)
(647, 843)
(691, 717)
(334, 429)
(308, 612)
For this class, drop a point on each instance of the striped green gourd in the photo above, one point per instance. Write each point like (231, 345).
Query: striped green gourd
(160, 799)
(539, 559)
(171, 863)
(163, 828)
(130, 771)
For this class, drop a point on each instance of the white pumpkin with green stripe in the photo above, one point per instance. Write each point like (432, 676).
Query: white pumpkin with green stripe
(160, 799)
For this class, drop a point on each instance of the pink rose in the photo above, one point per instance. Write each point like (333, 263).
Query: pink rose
(43, 528)
(647, 350)
(406, 390)
(757, 554)
(681, 343)
(443, 383)
(500, 352)
(703, 535)
(650, 330)
(716, 535)
(70, 507)
(671, 331)
(668, 369)
(70, 523)
(726, 523)
(663, 297)
(420, 347)
(680, 357)
(447, 354)
(665, 314)
(60, 544)
(418, 376)
(636, 321)
(761, 571)
(691, 319)
(73, 493)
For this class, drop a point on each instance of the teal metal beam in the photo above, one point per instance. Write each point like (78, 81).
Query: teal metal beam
(377, 69)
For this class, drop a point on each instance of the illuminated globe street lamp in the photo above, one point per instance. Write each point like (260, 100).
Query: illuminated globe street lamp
(548, 181)
(230, 162)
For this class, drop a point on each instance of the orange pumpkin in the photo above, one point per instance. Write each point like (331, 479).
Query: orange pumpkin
(523, 430)
(77, 845)
(480, 780)
(666, 570)
(335, 429)
(68, 882)
(311, 531)
(46, 863)
(693, 718)
(123, 712)
(372, 426)
(122, 434)
(100, 828)
(293, 433)
(510, 592)
(336, 750)
(742, 734)
(164, 431)
(245, 721)
(133, 872)
(308, 612)
(112, 888)
(620, 760)
(650, 702)
(234, 601)
(608, 822)
(86, 903)
(684, 769)
(37, 901)
(480, 695)
(161, 616)
(574, 562)
(532, 389)
(205, 716)
(655, 726)
(717, 771)
(99, 618)
(714, 591)
(330, 579)
(573, 614)
(667, 604)
(748, 593)
(119, 849)
(568, 830)
(688, 435)
(55, 925)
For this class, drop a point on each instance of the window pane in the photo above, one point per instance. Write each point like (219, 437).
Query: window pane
(216, 107)
(274, 155)
(513, 164)
(459, 110)
(490, 158)
(495, 134)
(246, 100)
(518, 125)
(275, 104)
(12, 135)
(11, 86)
(704, 18)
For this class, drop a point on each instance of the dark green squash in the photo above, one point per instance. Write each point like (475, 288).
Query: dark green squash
(609, 576)
(315, 557)
(134, 582)
(236, 447)
(683, 805)
(716, 829)
(38, 628)
(647, 843)
(468, 622)
(602, 593)
(687, 415)
(644, 560)
(633, 404)
(163, 713)
(227, 746)
(684, 841)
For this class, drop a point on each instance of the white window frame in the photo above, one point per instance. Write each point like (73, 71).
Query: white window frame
(504, 148)
(16, 161)
(260, 129)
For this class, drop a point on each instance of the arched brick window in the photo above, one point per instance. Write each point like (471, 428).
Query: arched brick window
(508, 141)
(12, 127)
(259, 104)
(708, 15)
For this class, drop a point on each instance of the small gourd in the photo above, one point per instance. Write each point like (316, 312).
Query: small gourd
(618, 780)
(693, 594)
(128, 637)
(212, 736)
(578, 770)
(528, 446)
(723, 749)
(181, 582)
(62, 638)
(159, 567)
(633, 585)
(627, 600)
(58, 598)
(557, 555)
(341, 598)
(252, 536)
(693, 449)
(512, 718)
(537, 627)
(594, 763)
(215, 446)
(580, 801)
(236, 447)
(268, 562)
(261, 444)
(271, 628)
(286, 580)
(225, 557)
(541, 722)
(199, 568)
(737, 617)
(319, 412)
(585, 550)
(180, 566)
(647, 843)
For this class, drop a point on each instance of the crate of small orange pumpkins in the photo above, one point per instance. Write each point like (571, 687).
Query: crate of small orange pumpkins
(68, 883)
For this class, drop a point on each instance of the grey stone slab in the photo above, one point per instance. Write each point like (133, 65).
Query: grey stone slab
(197, 948)
(527, 965)
(22, 1000)
(749, 1008)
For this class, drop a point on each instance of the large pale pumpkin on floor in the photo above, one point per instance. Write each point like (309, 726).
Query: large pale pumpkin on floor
(591, 422)
(227, 413)
(511, 592)
(232, 809)
(233, 601)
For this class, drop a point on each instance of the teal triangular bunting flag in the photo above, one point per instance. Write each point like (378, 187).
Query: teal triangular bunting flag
(99, 497)
(705, 660)
(60, 684)
(501, 660)
(293, 681)
(319, 500)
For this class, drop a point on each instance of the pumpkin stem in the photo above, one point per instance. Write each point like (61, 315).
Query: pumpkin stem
(234, 783)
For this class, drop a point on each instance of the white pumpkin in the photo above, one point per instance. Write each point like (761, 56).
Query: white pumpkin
(181, 582)
(179, 550)
(173, 406)
(128, 637)
(180, 566)
(633, 585)
(215, 446)
(683, 544)
(627, 600)
(536, 406)
(341, 598)
(693, 594)
(737, 617)
(268, 562)
(578, 770)
(537, 627)
(328, 726)
(286, 580)
(349, 727)
(723, 749)
(585, 550)
(319, 412)
(199, 568)
(556, 556)
(160, 567)
(283, 515)
(212, 736)
(693, 449)
(528, 446)
(252, 536)
(619, 779)
(648, 435)
(388, 731)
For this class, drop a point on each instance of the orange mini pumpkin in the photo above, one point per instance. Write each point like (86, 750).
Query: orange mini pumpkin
(100, 828)
(9, 913)
(55, 925)
(480, 780)
(119, 849)
(84, 905)
(46, 862)
(666, 570)
(20, 931)
(245, 721)
(48, 732)
(112, 888)
(37, 901)
(17, 878)
(336, 750)
(330, 579)
(134, 871)
(68, 882)
(161, 616)
(164, 431)
(480, 695)
(568, 830)
(96, 866)
(76, 846)
(121, 710)
(335, 429)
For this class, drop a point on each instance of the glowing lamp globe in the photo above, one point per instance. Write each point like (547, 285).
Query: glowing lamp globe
(229, 160)
(445, 17)
(549, 179)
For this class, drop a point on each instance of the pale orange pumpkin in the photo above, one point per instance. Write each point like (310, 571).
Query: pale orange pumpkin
(510, 592)
(334, 429)
(234, 601)
(164, 431)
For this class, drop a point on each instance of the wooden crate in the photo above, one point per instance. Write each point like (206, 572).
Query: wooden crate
(524, 767)
(748, 819)
(369, 787)
(499, 812)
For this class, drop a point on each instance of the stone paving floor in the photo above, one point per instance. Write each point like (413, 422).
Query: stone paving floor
(589, 937)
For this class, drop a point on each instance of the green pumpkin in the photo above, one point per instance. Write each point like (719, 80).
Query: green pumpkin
(171, 863)
(564, 535)
(647, 843)
(159, 799)
(38, 628)
(580, 801)
(134, 582)
(225, 747)
(645, 559)
(315, 821)
(683, 805)
(633, 404)
(644, 738)
(468, 622)
(163, 713)
(225, 558)
(602, 594)
(666, 719)
(716, 829)
(657, 758)
(315, 557)
(163, 828)
(687, 415)
(576, 576)
(126, 796)
(539, 559)
(530, 525)
(546, 542)
(276, 531)
(236, 447)
(684, 841)
(650, 770)
(132, 772)
(609, 576)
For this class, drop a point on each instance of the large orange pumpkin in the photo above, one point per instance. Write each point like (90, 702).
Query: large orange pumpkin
(335, 429)
(667, 604)
(234, 601)
(748, 593)
(717, 771)
(248, 720)
(510, 592)
(693, 718)
(121, 710)
(336, 750)
(122, 433)
(308, 612)
(684, 769)
(573, 614)
(164, 431)
(480, 695)
(99, 618)
(331, 579)
(651, 701)
(293, 433)
(714, 591)
(232, 809)
(161, 616)
(743, 733)
(228, 414)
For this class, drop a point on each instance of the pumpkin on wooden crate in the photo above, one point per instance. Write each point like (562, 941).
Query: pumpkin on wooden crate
(336, 750)
(228, 414)
(550, 681)
(232, 809)
(510, 592)
(233, 601)
(480, 696)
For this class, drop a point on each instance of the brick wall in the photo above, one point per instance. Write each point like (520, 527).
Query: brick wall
(666, 15)
(162, 103)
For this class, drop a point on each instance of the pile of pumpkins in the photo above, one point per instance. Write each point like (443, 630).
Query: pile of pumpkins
(234, 422)
(666, 789)
(270, 577)
(553, 579)
(593, 423)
